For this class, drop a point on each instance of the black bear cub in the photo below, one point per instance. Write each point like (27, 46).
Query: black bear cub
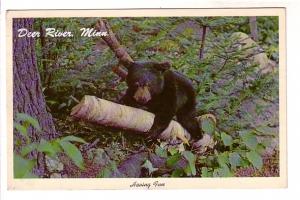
(163, 92)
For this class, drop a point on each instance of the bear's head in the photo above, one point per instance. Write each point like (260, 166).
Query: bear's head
(146, 79)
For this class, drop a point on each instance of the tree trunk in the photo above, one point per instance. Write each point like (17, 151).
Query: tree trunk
(27, 90)
(43, 47)
(201, 54)
(253, 28)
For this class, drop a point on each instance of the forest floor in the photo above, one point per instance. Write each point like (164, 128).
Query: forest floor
(110, 147)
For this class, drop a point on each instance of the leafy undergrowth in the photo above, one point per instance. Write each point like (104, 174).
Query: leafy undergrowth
(270, 168)
(115, 153)
(228, 83)
(73, 157)
(117, 159)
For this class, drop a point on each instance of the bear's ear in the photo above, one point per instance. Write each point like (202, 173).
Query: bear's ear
(163, 66)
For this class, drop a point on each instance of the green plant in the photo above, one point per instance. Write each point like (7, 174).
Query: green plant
(241, 151)
(173, 156)
(225, 79)
(23, 165)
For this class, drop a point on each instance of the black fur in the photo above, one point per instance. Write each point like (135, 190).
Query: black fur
(172, 94)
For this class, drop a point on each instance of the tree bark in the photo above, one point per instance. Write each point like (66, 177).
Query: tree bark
(27, 90)
(253, 28)
(43, 47)
(201, 52)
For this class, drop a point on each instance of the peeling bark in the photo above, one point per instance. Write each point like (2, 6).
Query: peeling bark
(103, 112)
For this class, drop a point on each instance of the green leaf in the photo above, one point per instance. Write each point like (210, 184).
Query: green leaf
(245, 162)
(160, 151)
(266, 131)
(107, 171)
(223, 159)
(190, 157)
(148, 165)
(27, 118)
(222, 172)
(172, 160)
(250, 140)
(177, 173)
(234, 160)
(30, 175)
(56, 146)
(208, 126)
(205, 172)
(73, 152)
(260, 149)
(255, 159)
(72, 138)
(187, 170)
(28, 148)
(22, 166)
(46, 147)
(266, 142)
(21, 129)
(202, 159)
(173, 150)
(227, 139)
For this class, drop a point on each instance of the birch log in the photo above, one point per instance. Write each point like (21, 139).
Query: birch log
(107, 113)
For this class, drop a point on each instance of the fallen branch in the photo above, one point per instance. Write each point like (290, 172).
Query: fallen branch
(120, 52)
(107, 113)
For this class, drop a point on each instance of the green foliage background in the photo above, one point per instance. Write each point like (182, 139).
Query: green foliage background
(225, 81)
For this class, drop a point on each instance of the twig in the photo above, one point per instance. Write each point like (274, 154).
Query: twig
(87, 147)
(201, 54)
